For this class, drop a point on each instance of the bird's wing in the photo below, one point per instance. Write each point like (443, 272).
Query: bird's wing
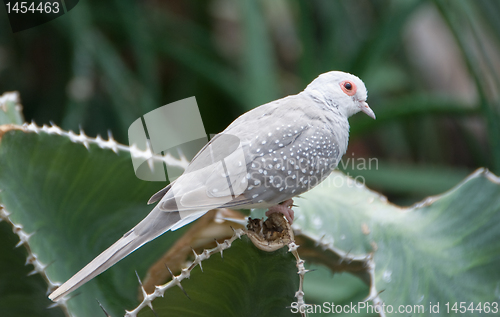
(159, 195)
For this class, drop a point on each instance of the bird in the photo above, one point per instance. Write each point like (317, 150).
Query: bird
(263, 159)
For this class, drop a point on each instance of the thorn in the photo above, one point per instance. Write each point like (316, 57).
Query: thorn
(347, 254)
(104, 310)
(138, 278)
(111, 142)
(151, 306)
(50, 263)
(237, 233)
(196, 258)
(219, 246)
(317, 243)
(23, 238)
(83, 137)
(173, 276)
(370, 297)
(32, 273)
(144, 294)
(292, 247)
(182, 288)
(177, 282)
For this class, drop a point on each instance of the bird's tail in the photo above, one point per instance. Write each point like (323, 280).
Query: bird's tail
(154, 225)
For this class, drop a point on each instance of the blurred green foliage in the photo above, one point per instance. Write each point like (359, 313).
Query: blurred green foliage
(431, 68)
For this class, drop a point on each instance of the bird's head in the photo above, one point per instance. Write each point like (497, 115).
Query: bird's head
(341, 90)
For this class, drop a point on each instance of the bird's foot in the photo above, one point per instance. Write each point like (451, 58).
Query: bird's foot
(285, 208)
(272, 234)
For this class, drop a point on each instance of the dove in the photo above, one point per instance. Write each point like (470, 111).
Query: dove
(263, 159)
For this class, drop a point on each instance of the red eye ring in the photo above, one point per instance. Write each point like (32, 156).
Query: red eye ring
(348, 87)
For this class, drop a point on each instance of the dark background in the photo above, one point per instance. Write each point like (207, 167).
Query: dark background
(431, 69)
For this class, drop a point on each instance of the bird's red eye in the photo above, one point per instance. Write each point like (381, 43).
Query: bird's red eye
(348, 87)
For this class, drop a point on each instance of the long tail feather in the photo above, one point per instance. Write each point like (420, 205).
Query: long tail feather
(154, 225)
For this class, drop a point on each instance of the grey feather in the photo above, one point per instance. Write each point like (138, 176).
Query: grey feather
(159, 195)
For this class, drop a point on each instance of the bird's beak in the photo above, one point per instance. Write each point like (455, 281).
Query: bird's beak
(366, 109)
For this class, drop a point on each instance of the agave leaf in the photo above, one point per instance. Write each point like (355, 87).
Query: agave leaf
(77, 201)
(445, 249)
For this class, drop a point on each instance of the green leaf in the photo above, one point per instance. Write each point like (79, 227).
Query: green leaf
(462, 19)
(321, 286)
(384, 35)
(20, 294)
(445, 249)
(78, 201)
(410, 106)
(18, 285)
(246, 282)
(259, 62)
(419, 180)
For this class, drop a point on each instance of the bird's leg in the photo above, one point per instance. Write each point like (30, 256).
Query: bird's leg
(285, 208)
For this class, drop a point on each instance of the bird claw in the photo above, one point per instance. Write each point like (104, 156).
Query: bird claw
(285, 208)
